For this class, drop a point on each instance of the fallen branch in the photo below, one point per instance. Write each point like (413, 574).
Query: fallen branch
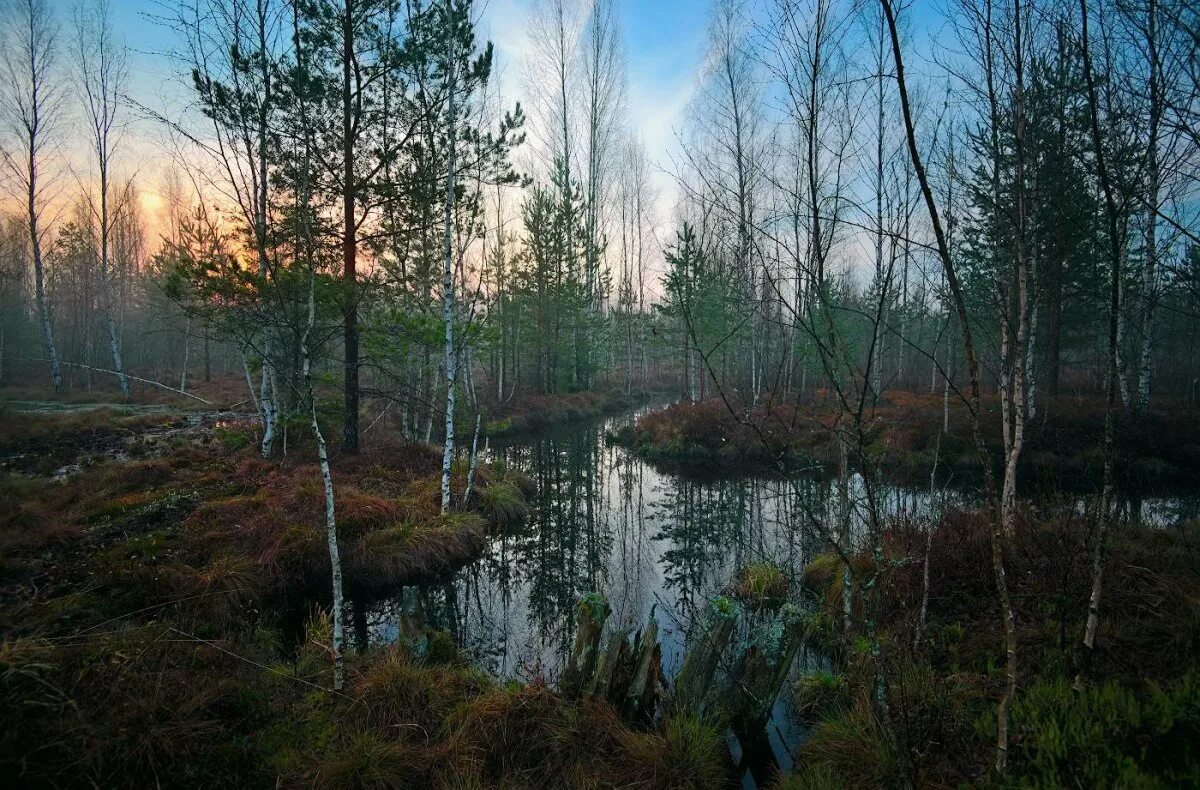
(135, 378)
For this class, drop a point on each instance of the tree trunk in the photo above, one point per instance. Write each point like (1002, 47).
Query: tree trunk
(959, 303)
(448, 289)
(349, 241)
(1153, 177)
(335, 562)
(1113, 371)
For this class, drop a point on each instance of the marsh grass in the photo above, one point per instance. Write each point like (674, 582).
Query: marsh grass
(142, 606)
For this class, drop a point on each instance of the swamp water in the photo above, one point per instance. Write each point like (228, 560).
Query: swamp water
(605, 521)
(652, 542)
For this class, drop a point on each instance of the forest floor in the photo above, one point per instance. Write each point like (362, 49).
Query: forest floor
(904, 435)
(149, 604)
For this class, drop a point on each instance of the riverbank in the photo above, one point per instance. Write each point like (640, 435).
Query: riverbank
(905, 433)
(1134, 725)
(145, 608)
(531, 411)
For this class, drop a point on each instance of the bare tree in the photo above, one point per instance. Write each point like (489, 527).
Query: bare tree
(30, 104)
(1115, 246)
(451, 360)
(102, 73)
(603, 70)
(228, 49)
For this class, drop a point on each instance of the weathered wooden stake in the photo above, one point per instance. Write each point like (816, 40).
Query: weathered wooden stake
(639, 699)
(691, 685)
(593, 611)
(601, 681)
(765, 666)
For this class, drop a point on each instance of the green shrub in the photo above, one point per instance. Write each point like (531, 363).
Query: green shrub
(1107, 736)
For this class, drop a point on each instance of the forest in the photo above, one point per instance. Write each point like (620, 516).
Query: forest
(590, 393)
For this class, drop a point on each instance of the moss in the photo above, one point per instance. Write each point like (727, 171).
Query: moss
(596, 605)
(725, 608)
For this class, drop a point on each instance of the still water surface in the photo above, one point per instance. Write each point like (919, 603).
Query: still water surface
(653, 543)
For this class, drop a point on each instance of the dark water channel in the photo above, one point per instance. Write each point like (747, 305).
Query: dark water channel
(652, 542)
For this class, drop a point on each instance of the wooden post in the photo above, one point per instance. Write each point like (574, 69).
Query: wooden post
(602, 679)
(593, 611)
(765, 666)
(700, 663)
(647, 674)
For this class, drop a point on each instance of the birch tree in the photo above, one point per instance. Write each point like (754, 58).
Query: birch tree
(451, 360)
(102, 75)
(959, 305)
(231, 48)
(31, 102)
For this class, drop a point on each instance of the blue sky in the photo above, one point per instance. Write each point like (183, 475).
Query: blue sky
(664, 41)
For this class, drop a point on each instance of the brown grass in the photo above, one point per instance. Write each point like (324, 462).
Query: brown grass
(901, 438)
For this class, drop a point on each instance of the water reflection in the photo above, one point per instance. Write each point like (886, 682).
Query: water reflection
(605, 521)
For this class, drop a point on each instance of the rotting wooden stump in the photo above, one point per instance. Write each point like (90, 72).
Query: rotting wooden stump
(593, 611)
(700, 663)
(647, 676)
(628, 672)
(607, 667)
(764, 667)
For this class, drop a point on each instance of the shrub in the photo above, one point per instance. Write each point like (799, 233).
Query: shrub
(1107, 736)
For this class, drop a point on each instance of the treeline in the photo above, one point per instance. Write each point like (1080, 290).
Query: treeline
(360, 150)
(802, 228)
(347, 224)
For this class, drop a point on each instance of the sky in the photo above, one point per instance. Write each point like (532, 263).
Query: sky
(664, 49)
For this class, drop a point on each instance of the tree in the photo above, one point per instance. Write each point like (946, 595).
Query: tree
(232, 48)
(31, 99)
(973, 403)
(102, 74)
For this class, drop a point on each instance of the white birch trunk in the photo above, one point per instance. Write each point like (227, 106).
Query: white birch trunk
(474, 460)
(335, 561)
(1153, 179)
(187, 348)
(250, 387)
(448, 292)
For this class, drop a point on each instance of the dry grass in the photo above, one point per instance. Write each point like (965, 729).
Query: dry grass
(151, 659)
(529, 411)
(901, 438)
(761, 584)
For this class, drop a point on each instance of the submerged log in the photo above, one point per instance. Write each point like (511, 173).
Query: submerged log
(765, 666)
(593, 611)
(700, 663)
